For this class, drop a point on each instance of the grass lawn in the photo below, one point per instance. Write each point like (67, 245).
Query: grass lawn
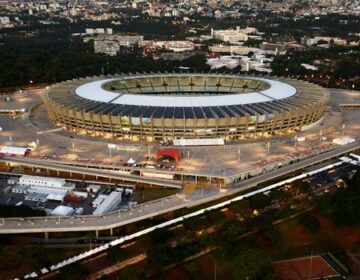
(297, 241)
(149, 194)
(17, 261)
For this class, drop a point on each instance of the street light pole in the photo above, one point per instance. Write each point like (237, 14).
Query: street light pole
(321, 134)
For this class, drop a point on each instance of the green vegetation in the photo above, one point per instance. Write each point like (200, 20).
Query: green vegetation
(251, 264)
(163, 255)
(148, 194)
(259, 201)
(341, 71)
(301, 186)
(116, 253)
(7, 211)
(73, 271)
(130, 273)
(344, 205)
(18, 260)
(310, 222)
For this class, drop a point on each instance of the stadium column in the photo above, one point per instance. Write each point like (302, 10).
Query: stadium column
(111, 126)
(184, 127)
(92, 123)
(141, 129)
(246, 132)
(152, 130)
(121, 128)
(46, 235)
(227, 127)
(77, 127)
(173, 123)
(101, 124)
(131, 128)
(162, 126)
(297, 120)
(84, 123)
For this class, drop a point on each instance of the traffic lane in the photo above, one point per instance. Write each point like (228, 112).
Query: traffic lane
(238, 187)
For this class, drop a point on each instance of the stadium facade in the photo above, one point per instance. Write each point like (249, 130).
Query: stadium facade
(173, 106)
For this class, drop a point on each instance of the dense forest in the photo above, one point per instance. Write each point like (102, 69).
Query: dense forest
(49, 53)
(49, 58)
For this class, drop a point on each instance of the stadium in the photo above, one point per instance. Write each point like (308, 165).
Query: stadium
(175, 106)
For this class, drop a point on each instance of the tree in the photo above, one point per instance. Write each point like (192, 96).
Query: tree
(302, 186)
(259, 201)
(158, 257)
(20, 211)
(159, 235)
(194, 223)
(310, 222)
(90, 238)
(115, 253)
(130, 273)
(194, 271)
(73, 271)
(251, 264)
(344, 206)
(241, 206)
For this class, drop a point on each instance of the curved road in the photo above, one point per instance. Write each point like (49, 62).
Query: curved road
(148, 210)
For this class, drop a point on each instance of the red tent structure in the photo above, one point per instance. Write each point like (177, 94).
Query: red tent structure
(169, 153)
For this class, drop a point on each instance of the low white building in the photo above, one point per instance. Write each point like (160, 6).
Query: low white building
(109, 203)
(49, 183)
(97, 201)
(93, 188)
(19, 189)
(233, 35)
(62, 211)
(344, 140)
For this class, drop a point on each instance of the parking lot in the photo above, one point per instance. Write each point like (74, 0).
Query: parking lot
(7, 197)
(207, 160)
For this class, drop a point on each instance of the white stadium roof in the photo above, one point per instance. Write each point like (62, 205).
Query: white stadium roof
(95, 91)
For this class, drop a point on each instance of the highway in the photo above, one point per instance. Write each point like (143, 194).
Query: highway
(59, 166)
(154, 208)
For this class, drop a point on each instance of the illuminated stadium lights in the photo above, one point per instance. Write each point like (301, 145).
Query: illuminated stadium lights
(175, 106)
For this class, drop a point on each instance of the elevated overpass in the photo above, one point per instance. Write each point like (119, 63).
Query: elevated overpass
(122, 217)
(89, 170)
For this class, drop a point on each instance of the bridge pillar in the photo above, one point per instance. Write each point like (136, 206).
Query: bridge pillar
(46, 235)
